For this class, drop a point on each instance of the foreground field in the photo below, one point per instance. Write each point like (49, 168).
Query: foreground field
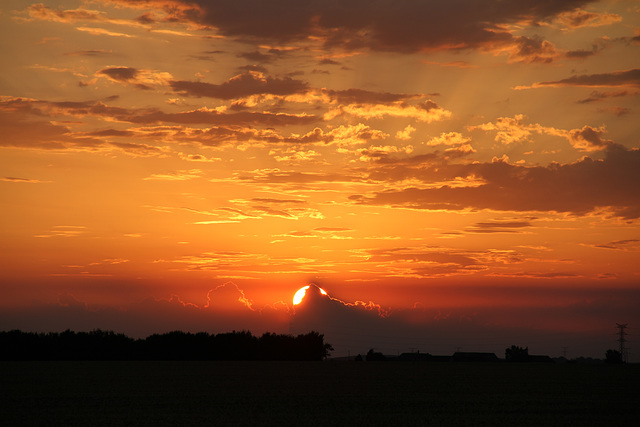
(317, 393)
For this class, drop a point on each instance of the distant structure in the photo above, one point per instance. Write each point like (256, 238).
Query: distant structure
(464, 356)
(622, 340)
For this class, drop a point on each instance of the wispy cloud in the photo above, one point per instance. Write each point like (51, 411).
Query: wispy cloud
(95, 31)
(22, 180)
(626, 78)
(180, 175)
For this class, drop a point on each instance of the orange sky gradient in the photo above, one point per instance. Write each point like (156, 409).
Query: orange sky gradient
(459, 174)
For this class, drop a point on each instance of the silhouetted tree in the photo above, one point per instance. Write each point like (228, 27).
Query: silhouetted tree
(613, 356)
(313, 346)
(175, 345)
(516, 354)
(373, 356)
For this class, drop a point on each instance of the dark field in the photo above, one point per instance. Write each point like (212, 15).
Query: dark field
(317, 393)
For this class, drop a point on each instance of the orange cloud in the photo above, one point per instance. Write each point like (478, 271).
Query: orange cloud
(360, 96)
(142, 79)
(589, 139)
(42, 12)
(427, 111)
(227, 297)
(405, 134)
(499, 227)
(579, 18)
(294, 177)
(102, 32)
(21, 180)
(530, 50)
(511, 130)
(449, 138)
(181, 175)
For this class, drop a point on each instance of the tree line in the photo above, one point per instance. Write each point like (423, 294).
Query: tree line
(176, 345)
(520, 354)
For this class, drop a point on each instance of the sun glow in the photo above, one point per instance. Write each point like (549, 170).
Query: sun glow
(299, 295)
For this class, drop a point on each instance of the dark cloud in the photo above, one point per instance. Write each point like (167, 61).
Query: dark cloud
(26, 124)
(621, 245)
(138, 149)
(538, 275)
(279, 201)
(616, 78)
(343, 324)
(256, 68)
(383, 25)
(596, 47)
(89, 53)
(479, 318)
(214, 118)
(495, 317)
(112, 132)
(256, 56)
(226, 309)
(533, 50)
(22, 130)
(242, 85)
(499, 227)
(419, 255)
(599, 96)
(580, 54)
(417, 160)
(618, 111)
(147, 18)
(120, 74)
(380, 25)
(41, 108)
(589, 139)
(328, 61)
(578, 188)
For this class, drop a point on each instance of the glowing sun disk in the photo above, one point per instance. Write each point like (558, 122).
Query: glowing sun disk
(299, 295)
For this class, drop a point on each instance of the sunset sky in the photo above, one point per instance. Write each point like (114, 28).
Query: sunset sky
(458, 173)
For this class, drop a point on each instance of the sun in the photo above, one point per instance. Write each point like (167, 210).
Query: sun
(299, 295)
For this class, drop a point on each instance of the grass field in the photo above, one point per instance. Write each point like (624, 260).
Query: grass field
(317, 393)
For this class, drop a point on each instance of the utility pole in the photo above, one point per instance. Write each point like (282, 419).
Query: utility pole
(622, 340)
(564, 352)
